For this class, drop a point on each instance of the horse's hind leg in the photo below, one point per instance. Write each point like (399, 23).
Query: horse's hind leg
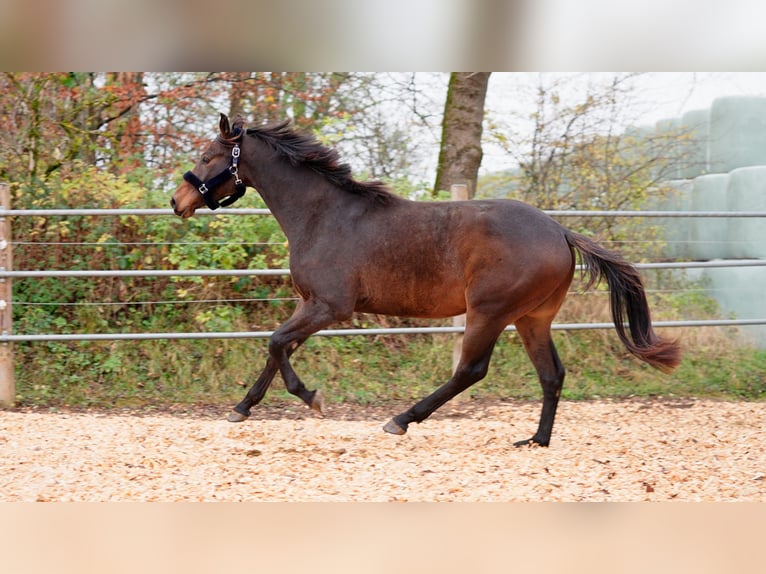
(478, 344)
(536, 337)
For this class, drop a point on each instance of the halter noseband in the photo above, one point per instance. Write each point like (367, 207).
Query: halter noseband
(206, 187)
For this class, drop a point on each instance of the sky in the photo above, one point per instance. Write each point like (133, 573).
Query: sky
(679, 92)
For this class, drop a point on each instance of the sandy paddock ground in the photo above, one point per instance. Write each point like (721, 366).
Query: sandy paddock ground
(632, 450)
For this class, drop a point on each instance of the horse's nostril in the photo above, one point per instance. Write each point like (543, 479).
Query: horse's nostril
(173, 203)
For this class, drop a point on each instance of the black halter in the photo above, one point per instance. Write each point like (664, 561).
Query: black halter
(206, 187)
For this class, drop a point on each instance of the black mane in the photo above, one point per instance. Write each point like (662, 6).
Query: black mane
(303, 149)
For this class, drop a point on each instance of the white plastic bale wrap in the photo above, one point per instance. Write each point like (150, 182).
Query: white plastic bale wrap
(737, 133)
(636, 140)
(710, 234)
(747, 192)
(695, 126)
(640, 134)
(678, 231)
(740, 292)
(670, 131)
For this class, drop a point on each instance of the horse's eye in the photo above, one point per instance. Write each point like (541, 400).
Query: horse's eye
(205, 159)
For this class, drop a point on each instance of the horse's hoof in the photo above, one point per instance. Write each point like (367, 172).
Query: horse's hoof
(394, 428)
(236, 417)
(529, 442)
(317, 403)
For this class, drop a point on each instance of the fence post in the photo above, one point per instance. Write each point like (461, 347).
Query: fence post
(7, 382)
(459, 192)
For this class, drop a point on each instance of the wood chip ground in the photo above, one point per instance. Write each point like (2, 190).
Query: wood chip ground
(632, 450)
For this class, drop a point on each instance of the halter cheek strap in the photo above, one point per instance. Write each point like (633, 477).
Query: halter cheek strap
(207, 187)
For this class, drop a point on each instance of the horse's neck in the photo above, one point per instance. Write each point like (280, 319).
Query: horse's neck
(298, 198)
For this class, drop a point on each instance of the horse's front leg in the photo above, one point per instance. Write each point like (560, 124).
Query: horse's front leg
(309, 317)
(281, 347)
(256, 393)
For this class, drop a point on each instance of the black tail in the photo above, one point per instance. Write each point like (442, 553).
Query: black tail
(628, 301)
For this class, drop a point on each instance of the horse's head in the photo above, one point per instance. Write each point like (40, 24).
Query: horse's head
(215, 180)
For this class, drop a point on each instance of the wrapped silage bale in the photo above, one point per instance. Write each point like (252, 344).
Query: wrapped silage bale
(634, 142)
(667, 134)
(694, 139)
(739, 292)
(639, 134)
(710, 234)
(747, 192)
(678, 231)
(737, 133)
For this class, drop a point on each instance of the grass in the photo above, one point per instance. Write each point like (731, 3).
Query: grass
(366, 370)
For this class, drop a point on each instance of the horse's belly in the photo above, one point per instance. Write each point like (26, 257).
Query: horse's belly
(413, 299)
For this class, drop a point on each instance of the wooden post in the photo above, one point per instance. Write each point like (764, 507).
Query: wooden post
(459, 192)
(7, 382)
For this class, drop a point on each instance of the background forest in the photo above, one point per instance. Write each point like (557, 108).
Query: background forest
(122, 139)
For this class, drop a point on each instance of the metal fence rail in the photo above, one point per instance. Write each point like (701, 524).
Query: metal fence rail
(147, 211)
(144, 273)
(4, 338)
(258, 211)
(273, 272)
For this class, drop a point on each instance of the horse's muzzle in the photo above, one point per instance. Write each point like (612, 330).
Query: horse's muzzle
(174, 206)
(183, 213)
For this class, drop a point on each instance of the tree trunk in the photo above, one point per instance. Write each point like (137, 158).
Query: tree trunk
(460, 153)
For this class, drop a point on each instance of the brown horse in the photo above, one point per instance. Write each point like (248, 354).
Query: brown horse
(355, 246)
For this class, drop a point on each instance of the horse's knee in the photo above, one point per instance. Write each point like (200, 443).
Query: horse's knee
(473, 372)
(278, 344)
(275, 345)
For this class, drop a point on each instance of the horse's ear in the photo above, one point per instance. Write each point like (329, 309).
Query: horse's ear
(239, 123)
(223, 125)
